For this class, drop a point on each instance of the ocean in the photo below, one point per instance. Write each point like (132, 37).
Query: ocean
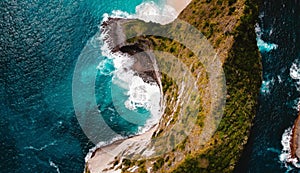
(278, 38)
(41, 43)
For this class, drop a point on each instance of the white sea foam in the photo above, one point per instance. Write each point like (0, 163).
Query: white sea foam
(285, 142)
(295, 74)
(262, 45)
(40, 148)
(147, 11)
(101, 144)
(286, 137)
(296, 104)
(279, 79)
(285, 156)
(140, 93)
(102, 67)
(150, 11)
(54, 165)
(266, 86)
(295, 71)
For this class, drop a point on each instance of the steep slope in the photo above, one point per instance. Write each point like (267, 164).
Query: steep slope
(229, 26)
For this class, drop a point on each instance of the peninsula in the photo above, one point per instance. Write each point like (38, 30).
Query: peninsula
(229, 27)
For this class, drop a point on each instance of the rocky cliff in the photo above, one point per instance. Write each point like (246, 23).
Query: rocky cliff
(229, 26)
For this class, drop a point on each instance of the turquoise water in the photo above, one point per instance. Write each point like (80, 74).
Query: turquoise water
(114, 110)
(40, 43)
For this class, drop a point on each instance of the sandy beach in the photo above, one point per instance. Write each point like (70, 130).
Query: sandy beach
(178, 5)
(103, 159)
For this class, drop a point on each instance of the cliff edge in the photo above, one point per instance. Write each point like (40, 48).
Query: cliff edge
(295, 140)
(229, 26)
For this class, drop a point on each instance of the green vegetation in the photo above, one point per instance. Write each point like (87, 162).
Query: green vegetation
(231, 10)
(231, 2)
(158, 164)
(86, 170)
(126, 162)
(229, 26)
(243, 77)
(142, 166)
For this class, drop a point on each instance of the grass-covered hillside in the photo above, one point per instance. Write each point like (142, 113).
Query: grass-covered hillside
(229, 27)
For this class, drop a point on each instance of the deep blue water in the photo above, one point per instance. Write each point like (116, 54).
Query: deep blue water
(280, 24)
(40, 41)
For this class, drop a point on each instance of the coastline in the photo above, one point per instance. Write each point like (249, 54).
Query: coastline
(178, 5)
(295, 141)
(103, 159)
(232, 34)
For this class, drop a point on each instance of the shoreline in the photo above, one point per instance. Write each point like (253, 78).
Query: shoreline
(295, 142)
(103, 159)
(178, 5)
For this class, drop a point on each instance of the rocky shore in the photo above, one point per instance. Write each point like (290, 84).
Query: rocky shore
(295, 140)
(144, 62)
(229, 26)
(109, 158)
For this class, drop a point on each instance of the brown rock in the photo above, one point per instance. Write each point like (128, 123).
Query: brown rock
(295, 140)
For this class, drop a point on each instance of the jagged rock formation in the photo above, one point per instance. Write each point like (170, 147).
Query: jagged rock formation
(144, 62)
(229, 26)
(295, 140)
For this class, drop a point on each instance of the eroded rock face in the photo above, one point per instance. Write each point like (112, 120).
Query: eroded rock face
(295, 140)
(144, 61)
(243, 78)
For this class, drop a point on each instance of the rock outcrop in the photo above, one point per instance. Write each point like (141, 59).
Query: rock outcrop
(295, 140)
(144, 62)
(229, 26)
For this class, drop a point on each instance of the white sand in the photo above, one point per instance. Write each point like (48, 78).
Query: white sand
(178, 5)
(104, 156)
